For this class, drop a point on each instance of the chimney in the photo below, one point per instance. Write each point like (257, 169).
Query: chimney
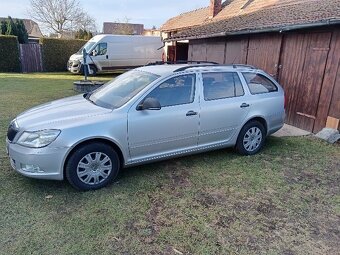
(215, 8)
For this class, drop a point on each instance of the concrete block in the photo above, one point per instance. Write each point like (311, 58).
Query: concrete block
(329, 134)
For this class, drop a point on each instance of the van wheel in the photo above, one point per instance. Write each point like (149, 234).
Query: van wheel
(92, 166)
(251, 138)
(93, 70)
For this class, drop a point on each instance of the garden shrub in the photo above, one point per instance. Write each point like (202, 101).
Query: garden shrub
(56, 52)
(9, 54)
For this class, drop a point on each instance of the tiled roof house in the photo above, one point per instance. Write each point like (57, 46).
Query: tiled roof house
(31, 26)
(253, 16)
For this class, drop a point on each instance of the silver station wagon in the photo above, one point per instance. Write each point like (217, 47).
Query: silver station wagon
(147, 114)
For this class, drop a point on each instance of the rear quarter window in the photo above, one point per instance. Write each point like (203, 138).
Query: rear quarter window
(259, 84)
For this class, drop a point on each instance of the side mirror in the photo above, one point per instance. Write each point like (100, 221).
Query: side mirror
(94, 53)
(149, 103)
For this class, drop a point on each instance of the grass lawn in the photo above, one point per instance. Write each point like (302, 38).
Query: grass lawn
(285, 200)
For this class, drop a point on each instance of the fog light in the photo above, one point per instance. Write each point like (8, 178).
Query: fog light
(31, 168)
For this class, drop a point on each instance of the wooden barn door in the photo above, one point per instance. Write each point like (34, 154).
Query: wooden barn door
(171, 54)
(303, 61)
(236, 51)
(264, 53)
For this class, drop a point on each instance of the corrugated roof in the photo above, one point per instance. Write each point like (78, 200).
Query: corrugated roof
(244, 16)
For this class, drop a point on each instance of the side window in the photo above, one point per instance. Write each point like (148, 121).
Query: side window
(221, 85)
(259, 84)
(101, 49)
(175, 91)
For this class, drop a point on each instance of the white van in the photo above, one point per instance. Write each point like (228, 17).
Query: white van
(110, 52)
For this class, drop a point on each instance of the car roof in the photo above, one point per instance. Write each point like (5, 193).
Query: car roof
(161, 70)
(168, 69)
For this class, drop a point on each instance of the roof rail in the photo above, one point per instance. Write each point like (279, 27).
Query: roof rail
(215, 65)
(191, 66)
(241, 65)
(180, 62)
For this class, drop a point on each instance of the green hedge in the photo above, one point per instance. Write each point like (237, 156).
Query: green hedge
(56, 52)
(9, 54)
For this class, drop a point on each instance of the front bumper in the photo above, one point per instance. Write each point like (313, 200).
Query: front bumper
(46, 163)
(74, 66)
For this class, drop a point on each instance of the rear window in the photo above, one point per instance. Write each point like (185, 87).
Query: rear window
(259, 84)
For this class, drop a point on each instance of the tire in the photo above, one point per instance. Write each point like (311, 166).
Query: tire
(93, 70)
(92, 166)
(251, 138)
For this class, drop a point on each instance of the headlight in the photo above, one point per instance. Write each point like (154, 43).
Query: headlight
(38, 139)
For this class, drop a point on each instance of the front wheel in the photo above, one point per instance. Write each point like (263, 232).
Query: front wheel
(93, 70)
(251, 138)
(92, 166)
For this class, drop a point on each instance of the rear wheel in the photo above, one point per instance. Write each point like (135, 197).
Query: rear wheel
(92, 166)
(251, 138)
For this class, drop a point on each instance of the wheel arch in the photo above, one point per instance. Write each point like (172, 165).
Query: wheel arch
(260, 119)
(109, 142)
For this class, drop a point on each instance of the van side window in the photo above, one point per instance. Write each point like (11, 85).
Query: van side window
(101, 49)
(175, 91)
(221, 85)
(259, 84)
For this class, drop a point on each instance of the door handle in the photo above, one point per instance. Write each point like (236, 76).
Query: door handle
(107, 56)
(191, 113)
(244, 105)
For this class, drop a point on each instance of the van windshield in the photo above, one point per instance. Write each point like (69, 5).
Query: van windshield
(87, 47)
(119, 91)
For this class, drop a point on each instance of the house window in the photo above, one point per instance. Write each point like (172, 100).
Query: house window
(175, 91)
(221, 85)
(259, 84)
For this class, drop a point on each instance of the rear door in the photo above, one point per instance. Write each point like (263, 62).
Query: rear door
(173, 128)
(223, 107)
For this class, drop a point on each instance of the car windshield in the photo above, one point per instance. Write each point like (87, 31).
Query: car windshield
(87, 47)
(119, 91)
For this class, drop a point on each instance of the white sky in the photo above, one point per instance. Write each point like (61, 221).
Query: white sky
(147, 12)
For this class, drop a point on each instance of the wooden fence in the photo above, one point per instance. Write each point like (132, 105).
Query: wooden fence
(31, 59)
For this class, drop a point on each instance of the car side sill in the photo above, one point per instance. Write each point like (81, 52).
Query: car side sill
(179, 153)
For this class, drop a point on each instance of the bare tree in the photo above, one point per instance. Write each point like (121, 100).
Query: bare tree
(59, 15)
(86, 22)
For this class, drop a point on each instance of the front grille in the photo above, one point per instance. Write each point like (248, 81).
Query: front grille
(11, 132)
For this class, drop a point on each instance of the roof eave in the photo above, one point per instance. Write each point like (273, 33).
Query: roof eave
(262, 30)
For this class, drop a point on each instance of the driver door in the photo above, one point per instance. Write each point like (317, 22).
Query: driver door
(173, 128)
(100, 57)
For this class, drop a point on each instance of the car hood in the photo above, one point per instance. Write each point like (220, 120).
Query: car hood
(54, 113)
(76, 57)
